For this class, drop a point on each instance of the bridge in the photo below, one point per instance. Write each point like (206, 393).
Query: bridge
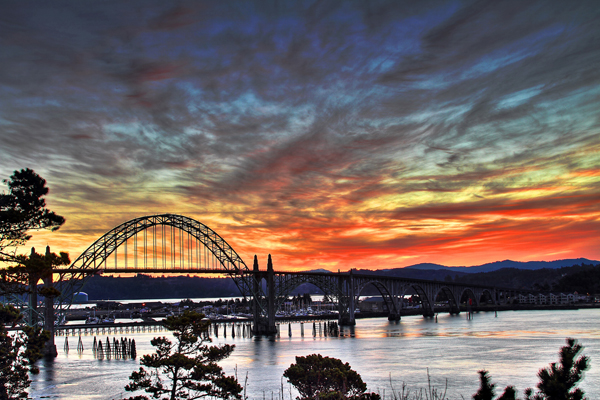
(175, 244)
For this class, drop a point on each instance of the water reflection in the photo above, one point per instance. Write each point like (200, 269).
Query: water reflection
(47, 369)
(348, 331)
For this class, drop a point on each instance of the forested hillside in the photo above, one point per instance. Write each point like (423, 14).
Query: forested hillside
(147, 287)
(581, 278)
(166, 287)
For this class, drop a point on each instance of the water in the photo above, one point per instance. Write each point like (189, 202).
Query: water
(512, 346)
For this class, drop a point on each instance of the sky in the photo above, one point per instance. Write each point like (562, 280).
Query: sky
(334, 134)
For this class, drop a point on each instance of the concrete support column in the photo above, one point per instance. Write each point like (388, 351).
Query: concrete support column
(346, 290)
(351, 303)
(264, 325)
(32, 318)
(255, 301)
(428, 308)
(399, 295)
(456, 294)
(49, 317)
(394, 314)
(271, 296)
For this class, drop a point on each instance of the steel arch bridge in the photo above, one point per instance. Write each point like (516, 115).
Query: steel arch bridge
(169, 243)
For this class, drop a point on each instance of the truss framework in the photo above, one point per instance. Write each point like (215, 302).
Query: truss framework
(93, 259)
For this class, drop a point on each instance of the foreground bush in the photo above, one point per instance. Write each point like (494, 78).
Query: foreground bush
(318, 377)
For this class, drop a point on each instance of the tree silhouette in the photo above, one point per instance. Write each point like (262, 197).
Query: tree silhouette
(316, 376)
(186, 369)
(24, 209)
(18, 354)
(486, 389)
(557, 382)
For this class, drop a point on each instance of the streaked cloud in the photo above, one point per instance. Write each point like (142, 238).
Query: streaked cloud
(340, 134)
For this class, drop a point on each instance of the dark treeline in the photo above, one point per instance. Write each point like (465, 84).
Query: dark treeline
(147, 287)
(581, 278)
(165, 287)
(429, 274)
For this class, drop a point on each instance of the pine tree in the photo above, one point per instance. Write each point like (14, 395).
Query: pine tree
(24, 209)
(18, 354)
(557, 382)
(186, 369)
(486, 388)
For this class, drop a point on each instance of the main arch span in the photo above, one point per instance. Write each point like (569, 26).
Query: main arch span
(164, 243)
(169, 243)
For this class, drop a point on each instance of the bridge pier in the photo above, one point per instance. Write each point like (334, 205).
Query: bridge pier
(351, 302)
(395, 309)
(49, 317)
(43, 265)
(271, 296)
(394, 317)
(346, 289)
(262, 325)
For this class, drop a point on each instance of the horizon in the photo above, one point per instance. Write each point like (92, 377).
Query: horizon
(345, 135)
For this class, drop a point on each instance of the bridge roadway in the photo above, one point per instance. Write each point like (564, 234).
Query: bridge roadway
(200, 250)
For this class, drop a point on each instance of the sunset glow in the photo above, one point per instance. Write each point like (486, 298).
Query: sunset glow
(330, 135)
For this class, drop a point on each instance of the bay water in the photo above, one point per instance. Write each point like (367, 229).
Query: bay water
(444, 352)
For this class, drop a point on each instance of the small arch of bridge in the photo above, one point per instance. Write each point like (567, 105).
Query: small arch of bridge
(286, 283)
(453, 303)
(470, 295)
(390, 301)
(490, 295)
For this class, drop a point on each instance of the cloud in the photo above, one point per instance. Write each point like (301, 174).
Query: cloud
(329, 130)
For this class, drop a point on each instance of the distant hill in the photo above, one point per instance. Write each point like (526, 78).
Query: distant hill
(581, 278)
(439, 272)
(529, 265)
(578, 274)
(429, 266)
